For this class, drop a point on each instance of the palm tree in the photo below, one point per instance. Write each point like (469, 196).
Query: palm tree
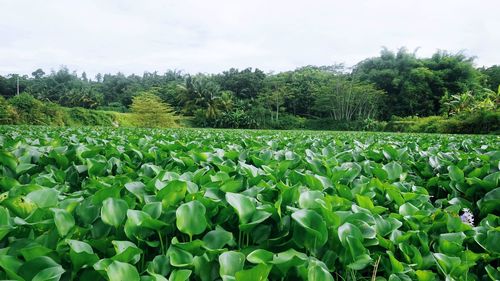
(201, 92)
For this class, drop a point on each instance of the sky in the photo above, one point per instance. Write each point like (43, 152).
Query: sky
(110, 36)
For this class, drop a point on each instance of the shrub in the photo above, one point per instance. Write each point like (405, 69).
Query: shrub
(288, 122)
(113, 106)
(429, 124)
(8, 115)
(54, 114)
(82, 116)
(150, 111)
(335, 125)
(30, 110)
(236, 119)
(481, 122)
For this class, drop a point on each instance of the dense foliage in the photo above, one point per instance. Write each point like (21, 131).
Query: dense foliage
(131, 204)
(148, 110)
(25, 109)
(392, 84)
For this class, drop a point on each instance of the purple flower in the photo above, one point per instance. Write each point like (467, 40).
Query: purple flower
(467, 217)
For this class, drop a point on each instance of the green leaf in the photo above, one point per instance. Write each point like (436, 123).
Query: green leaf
(49, 274)
(230, 262)
(159, 265)
(407, 209)
(24, 167)
(172, 193)
(425, 275)
(397, 266)
(114, 211)
(179, 257)
(190, 218)
(256, 273)
(81, 254)
(119, 271)
(5, 224)
(87, 211)
(307, 199)
(243, 205)
(493, 273)
(446, 263)
(20, 206)
(232, 186)
(316, 234)
(260, 256)
(64, 221)
(217, 238)
(137, 188)
(138, 221)
(490, 201)
(317, 271)
(8, 160)
(11, 266)
(153, 277)
(41, 268)
(180, 275)
(126, 251)
(288, 259)
(456, 174)
(44, 198)
(154, 209)
(394, 170)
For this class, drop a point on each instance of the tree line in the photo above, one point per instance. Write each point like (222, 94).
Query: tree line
(395, 83)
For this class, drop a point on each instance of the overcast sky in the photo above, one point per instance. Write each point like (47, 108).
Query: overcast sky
(212, 36)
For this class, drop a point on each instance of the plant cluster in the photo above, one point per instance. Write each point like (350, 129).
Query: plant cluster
(133, 204)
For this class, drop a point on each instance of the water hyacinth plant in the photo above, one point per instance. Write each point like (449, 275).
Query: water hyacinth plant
(132, 204)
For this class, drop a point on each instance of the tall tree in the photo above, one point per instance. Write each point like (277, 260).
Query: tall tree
(245, 84)
(415, 86)
(492, 75)
(150, 111)
(342, 98)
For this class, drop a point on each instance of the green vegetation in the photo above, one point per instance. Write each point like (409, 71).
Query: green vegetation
(25, 109)
(198, 204)
(368, 96)
(148, 110)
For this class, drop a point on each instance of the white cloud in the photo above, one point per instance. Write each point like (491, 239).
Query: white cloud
(211, 36)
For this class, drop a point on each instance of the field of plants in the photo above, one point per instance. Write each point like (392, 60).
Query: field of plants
(187, 204)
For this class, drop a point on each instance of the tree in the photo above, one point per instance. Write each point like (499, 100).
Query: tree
(274, 96)
(245, 84)
(301, 85)
(415, 86)
(37, 74)
(201, 93)
(342, 98)
(149, 111)
(492, 74)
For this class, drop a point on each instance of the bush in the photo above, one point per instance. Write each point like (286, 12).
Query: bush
(8, 115)
(30, 110)
(334, 125)
(54, 114)
(479, 122)
(113, 106)
(482, 122)
(236, 119)
(82, 116)
(288, 122)
(431, 124)
(25, 109)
